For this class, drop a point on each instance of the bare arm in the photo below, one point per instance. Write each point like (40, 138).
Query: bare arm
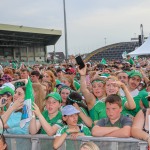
(20, 80)
(58, 141)
(102, 131)
(50, 130)
(86, 119)
(137, 128)
(18, 104)
(89, 97)
(124, 132)
(130, 104)
(144, 76)
(34, 126)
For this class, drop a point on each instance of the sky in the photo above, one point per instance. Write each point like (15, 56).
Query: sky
(91, 24)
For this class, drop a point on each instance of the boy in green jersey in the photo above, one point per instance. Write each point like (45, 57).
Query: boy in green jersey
(50, 119)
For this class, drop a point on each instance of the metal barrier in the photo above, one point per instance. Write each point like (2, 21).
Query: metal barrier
(44, 142)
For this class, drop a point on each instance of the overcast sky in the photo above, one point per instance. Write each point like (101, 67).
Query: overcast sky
(90, 23)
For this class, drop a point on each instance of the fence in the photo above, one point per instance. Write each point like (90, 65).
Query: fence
(44, 142)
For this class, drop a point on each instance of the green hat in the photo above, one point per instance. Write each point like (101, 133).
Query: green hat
(6, 90)
(54, 95)
(135, 73)
(105, 75)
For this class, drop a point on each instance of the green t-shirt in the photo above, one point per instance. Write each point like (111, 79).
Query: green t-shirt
(140, 97)
(57, 120)
(83, 129)
(131, 61)
(144, 94)
(76, 84)
(98, 111)
(85, 112)
(124, 109)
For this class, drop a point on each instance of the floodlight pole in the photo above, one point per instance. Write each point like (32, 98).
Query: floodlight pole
(65, 30)
(142, 34)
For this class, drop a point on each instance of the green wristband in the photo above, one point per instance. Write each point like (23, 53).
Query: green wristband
(67, 133)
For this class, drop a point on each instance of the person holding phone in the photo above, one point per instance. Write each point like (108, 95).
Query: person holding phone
(95, 99)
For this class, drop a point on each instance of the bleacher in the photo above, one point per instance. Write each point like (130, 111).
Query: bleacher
(113, 51)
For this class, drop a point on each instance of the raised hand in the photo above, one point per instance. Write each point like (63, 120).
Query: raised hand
(82, 71)
(36, 110)
(18, 104)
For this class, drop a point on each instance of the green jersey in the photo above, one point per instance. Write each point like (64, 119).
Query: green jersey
(98, 111)
(83, 129)
(76, 84)
(57, 120)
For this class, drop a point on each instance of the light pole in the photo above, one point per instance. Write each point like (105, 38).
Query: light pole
(65, 31)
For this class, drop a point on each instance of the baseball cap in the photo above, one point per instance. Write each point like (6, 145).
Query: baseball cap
(54, 95)
(8, 84)
(70, 71)
(135, 73)
(6, 90)
(69, 110)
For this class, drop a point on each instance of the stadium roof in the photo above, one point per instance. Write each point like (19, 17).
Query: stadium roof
(12, 35)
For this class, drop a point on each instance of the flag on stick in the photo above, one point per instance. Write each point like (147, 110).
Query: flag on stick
(103, 61)
(27, 108)
(124, 55)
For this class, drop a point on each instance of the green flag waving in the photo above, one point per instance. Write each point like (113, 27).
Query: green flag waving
(27, 108)
(103, 61)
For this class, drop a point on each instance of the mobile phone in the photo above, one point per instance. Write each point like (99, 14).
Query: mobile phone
(3, 101)
(80, 62)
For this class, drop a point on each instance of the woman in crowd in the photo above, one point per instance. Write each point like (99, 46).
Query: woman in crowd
(64, 92)
(47, 86)
(68, 80)
(94, 99)
(12, 117)
(39, 95)
(49, 76)
(113, 86)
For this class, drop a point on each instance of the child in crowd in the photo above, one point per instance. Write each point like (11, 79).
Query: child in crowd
(70, 117)
(75, 99)
(51, 118)
(89, 146)
(115, 125)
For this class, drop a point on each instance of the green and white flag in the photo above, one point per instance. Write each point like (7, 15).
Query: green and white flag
(124, 55)
(136, 58)
(27, 108)
(103, 61)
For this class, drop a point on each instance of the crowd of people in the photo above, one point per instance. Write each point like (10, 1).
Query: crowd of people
(100, 100)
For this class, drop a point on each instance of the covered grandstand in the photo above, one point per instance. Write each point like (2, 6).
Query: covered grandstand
(26, 44)
(113, 51)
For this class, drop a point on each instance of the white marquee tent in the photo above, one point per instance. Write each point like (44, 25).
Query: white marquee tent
(144, 49)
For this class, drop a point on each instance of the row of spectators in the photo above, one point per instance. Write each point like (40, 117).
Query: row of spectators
(98, 100)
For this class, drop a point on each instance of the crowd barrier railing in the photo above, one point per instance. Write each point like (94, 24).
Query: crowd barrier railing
(44, 142)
